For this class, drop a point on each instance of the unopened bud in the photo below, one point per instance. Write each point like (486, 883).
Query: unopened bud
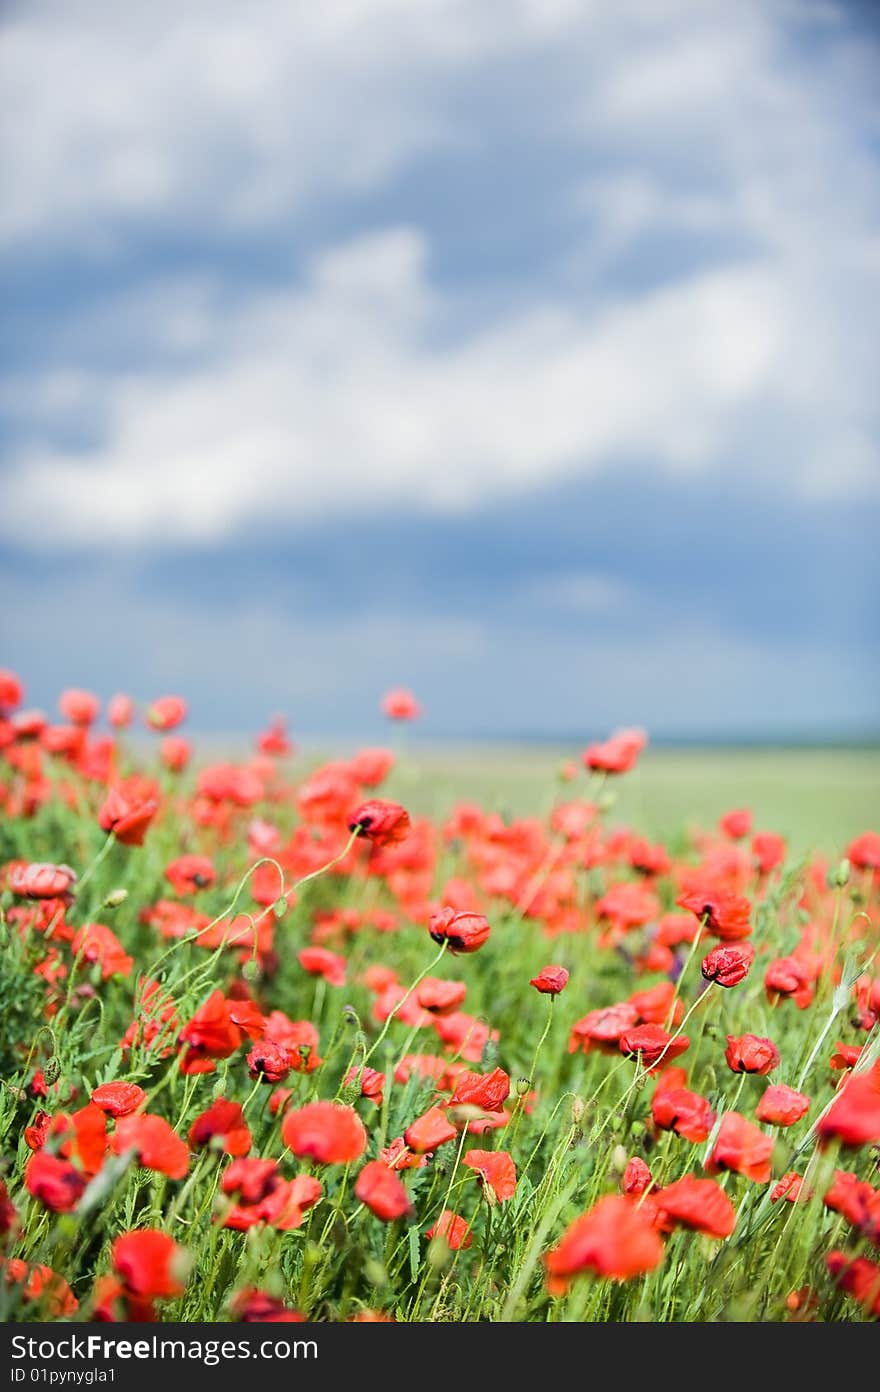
(839, 876)
(280, 907)
(578, 1111)
(115, 898)
(52, 1069)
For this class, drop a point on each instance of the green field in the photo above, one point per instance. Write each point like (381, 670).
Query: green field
(819, 798)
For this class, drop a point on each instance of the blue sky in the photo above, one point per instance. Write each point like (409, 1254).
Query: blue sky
(524, 353)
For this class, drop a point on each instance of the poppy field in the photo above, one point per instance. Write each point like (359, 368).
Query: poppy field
(277, 1046)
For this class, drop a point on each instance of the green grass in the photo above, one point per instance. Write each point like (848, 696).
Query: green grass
(818, 798)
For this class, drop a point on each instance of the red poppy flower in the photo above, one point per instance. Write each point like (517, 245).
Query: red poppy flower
(602, 1028)
(637, 1178)
(462, 932)
(400, 704)
(54, 1182)
(328, 1132)
(156, 1144)
(768, 850)
(379, 1188)
(167, 712)
(859, 1277)
(727, 915)
(749, 1053)
(854, 1116)
(617, 754)
(318, 961)
(858, 1201)
(742, 1147)
(223, 1121)
(94, 942)
(85, 1137)
(782, 1106)
(788, 976)
(268, 1061)
(844, 1056)
(40, 1284)
(440, 997)
(728, 965)
(127, 821)
(429, 1131)
(370, 767)
(683, 1112)
(550, 980)
(382, 823)
(864, 851)
(614, 1239)
(119, 1099)
(149, 1262)
(370, 1081)
(487, 1090)
(41, 880)
(189, 873)
(454, 1229)
(651, 1043)
(252, 1306)
(210, 1034)
(298, 1037)
(736, 824)
(120, 711)
(398, 1156)
(789, 1187)
(700, 1204)
(251, 1179)
(11, 691)
(36, 1134)
(496, 1172)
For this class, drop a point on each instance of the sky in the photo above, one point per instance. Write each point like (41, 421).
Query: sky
(521, 352)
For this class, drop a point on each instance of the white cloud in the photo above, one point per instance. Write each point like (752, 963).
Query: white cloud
(361, 386)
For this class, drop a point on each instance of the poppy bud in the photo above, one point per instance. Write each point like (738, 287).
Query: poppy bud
(839, 876)
(115, 898)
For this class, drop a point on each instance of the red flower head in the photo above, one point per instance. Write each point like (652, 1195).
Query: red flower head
(700, 1204)
(224, 1122)
(379, 1188)
(119, 1099)
(854, 1116)
(550, 981)
(120, 711)
(768, 850)
(371, 1082)
(11, 691)
(462, 932)
(319, 961)
(175, 753)
(251, 1306)
(148, 1262)
(685, 1113)
(328, 1132)
(858, 1201)
(487, 1090)
(726, 914)
(602, 1029)
(41, 881)
(637, 1178)
(210, 1034)
(864, 851)
(167, 712)
(496, 1172)
(189, 873)
(54, 1182)
(383, 823)
(79, 707)
(94, 942)
(742, 1147)
(736, 824)
(614, 1239)
(728, 965)
(782, 1106)
(429, 1131)
(156, 1144)
(652, 1044)
(455, 1230)
(370, 767)
(617, 754)
(127, 821)
(268, 1061)
(748, 1053)
(440, 997)
(789, 976)
(400, 704)
(859, 1277)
